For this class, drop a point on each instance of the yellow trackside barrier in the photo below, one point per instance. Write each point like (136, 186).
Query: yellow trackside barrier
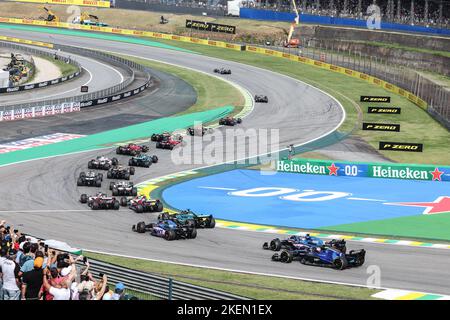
(25, 41)
(349, 72)
(85, 3)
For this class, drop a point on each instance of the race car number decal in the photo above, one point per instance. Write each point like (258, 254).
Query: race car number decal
(288, 194)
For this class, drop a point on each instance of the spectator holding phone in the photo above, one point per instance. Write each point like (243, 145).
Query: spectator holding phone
(32, 281)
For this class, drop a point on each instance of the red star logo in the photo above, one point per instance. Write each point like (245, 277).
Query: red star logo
(437, 174)
(333, 169)
(440, 205)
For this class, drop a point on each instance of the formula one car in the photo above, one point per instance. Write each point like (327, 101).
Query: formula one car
(131, 149)
(160, 136)
(296, 242)
(123, 188)
(322, 256)
(198, 131)
(261, 98)
(141, 204)
(167, 229)
(190, 218)
(230, 121)
(100, 201)
(142, 160)
(120, 172)
(222, 71)
(102, 163)
(90, 179)
(170, 142)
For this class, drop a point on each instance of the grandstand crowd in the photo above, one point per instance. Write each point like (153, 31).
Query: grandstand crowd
(415, 12)
(29, 270)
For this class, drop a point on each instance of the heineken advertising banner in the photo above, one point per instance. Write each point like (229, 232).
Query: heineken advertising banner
(360, 169)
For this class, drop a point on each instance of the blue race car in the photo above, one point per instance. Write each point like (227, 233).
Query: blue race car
(296, 242)
(167, 229)
(322, 256)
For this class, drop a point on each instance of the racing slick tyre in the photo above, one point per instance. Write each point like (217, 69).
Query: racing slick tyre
(238, 120)
(95, 206)
(123, 201)
(140, 227)
(153, 137)
(340, 264)
(303, 261)
(80, 182)
(98, 183)
(83, 198)
(158, 145)
(190, 223)
(192, 234)
(90, 166)
(155, 159)
(159, 207)
(132, 170)
(170, 147)
(111, 185)
(221, 122)
(134, 192)
(286, 257)
(131, 162)
(109, 175)
(100, 176)
(114, 162)
(165, 216)
(118, 150)
(147, 164)
(115, 192)
(116, 205)
(275, 245)
(126, 176)
(82, 174)
(170, 235)
(107, 166)
(211, 223)
(139, 209)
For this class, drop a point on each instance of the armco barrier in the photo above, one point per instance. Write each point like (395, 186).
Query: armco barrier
(40, 53)
(349, 72)
(362, 169)
(84, 3)
(161, 287)
(259, 14)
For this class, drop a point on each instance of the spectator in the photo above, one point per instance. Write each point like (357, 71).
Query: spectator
(32, 281)
(61, 291)
(119, 292)
(10, 276)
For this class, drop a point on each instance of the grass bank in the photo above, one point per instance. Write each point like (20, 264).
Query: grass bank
(247, 285)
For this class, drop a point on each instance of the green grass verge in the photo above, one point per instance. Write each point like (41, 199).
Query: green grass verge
(211, 92)
(252, 286)
(416, 124)
(406, 48)
(65, 68)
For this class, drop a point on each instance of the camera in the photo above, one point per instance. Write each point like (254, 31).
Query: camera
(61, 260)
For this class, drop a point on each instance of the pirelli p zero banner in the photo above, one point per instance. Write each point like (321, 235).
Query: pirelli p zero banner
(388, 110)
(401, 146)
(40, 84)
(381, 127)
(213, 27)
(362, 169)
(86, 3)
(375, 99)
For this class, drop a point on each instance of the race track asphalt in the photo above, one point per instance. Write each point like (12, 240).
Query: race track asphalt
(41, 196)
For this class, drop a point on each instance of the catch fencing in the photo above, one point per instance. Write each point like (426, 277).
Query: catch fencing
(148, 286)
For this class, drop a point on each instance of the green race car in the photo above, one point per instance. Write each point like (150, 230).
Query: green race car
(190, 218)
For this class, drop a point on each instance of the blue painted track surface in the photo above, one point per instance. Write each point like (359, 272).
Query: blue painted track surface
(360, 199)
